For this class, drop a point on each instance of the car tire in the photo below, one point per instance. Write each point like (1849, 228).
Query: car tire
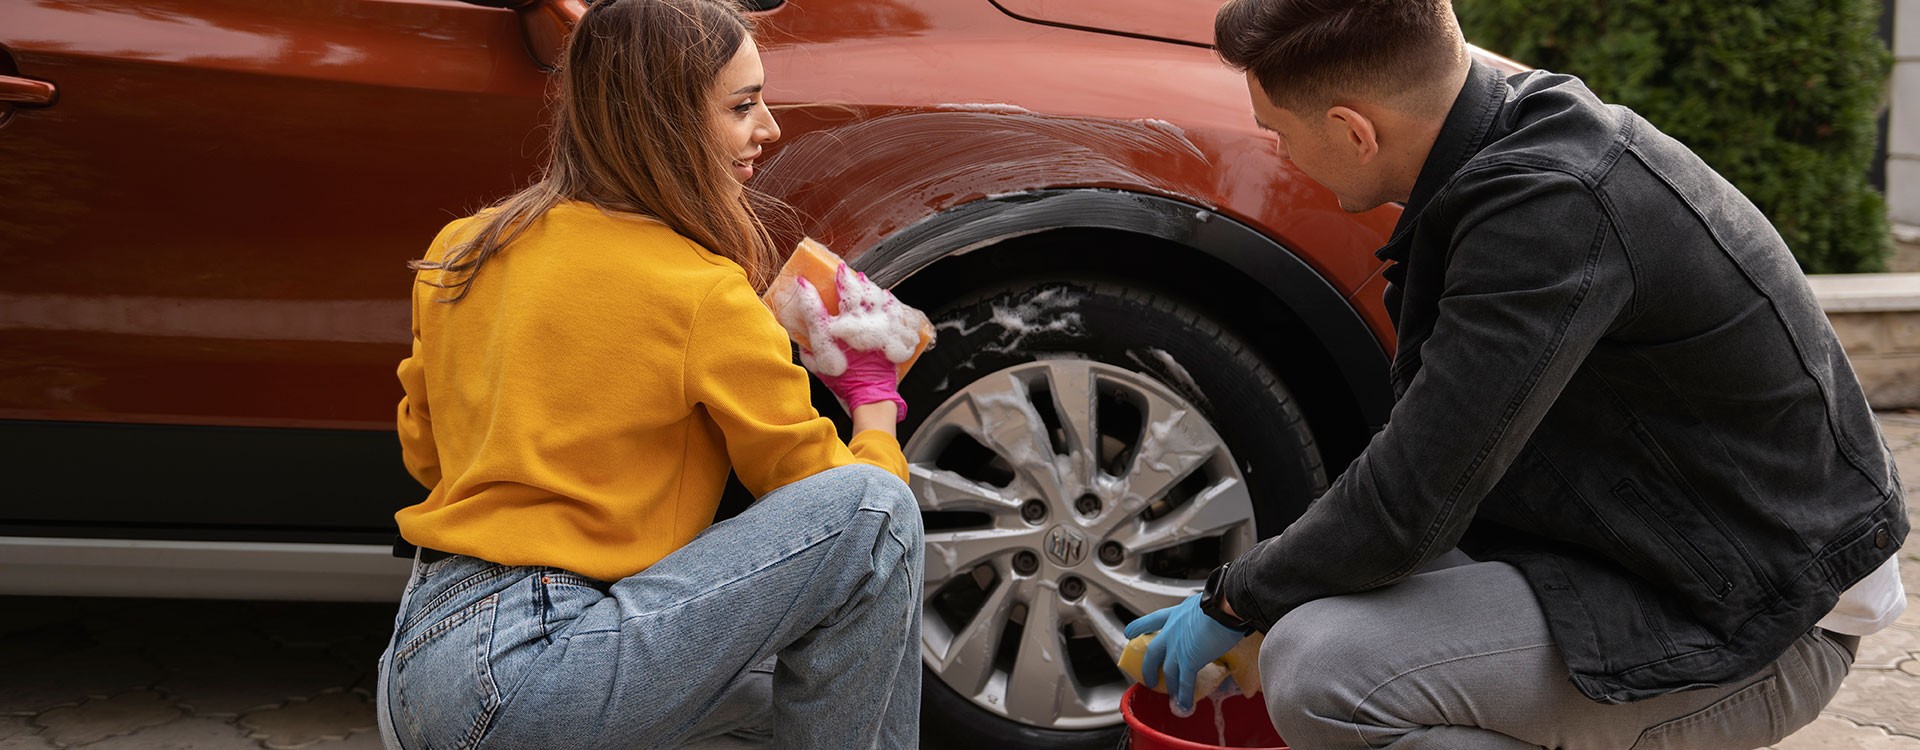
(1150, 334)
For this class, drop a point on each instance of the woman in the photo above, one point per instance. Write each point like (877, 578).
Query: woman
(590, 360)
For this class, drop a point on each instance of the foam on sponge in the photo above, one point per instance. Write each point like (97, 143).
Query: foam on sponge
(818, 299)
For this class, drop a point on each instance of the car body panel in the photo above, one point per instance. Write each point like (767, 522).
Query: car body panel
(1184, 22)
(203, 291)
(187, 248)
(1088, 110)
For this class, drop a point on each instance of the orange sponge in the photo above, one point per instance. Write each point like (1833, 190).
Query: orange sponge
(818, 265)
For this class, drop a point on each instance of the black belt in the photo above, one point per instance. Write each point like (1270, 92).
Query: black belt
(405, 549)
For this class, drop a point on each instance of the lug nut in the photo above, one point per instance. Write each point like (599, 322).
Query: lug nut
(1034, 511)
(1072, 588)
(1087, 505)
(1111, 553)
(1025, 562)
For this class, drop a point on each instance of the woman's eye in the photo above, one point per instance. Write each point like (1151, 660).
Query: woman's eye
(745, 108)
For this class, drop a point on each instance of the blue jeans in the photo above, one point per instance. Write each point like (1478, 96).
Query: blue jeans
(821, 579)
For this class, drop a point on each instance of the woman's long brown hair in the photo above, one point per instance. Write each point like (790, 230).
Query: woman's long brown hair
(631, 133)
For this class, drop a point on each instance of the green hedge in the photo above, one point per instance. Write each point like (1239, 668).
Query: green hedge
(1780, 96)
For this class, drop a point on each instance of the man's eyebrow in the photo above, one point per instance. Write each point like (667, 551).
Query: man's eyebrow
(754, 89)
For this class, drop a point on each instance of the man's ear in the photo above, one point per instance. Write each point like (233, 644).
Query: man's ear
(1358, 131)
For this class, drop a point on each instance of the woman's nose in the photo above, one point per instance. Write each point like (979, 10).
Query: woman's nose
(768, 131)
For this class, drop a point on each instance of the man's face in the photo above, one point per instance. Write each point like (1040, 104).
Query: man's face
(1321, 147)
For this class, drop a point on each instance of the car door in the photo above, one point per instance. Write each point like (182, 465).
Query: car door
(203, 242)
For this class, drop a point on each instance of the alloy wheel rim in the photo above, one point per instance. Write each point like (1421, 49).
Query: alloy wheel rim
(1136, 497)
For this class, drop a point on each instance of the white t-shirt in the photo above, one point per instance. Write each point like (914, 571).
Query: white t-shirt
(1872, 604)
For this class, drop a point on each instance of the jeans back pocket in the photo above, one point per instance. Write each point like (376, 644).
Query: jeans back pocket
(444, 694)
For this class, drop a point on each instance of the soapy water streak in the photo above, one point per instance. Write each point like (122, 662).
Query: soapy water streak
(1182, 379)
(889, 171)
(1050, 311)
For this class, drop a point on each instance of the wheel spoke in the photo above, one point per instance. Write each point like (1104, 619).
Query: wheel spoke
(1177, 440)
(1143, 592)
(1214, 511)
(1038, 684)
(968, 661)
(1076, 400)
(942, 490)
(1107, 627)
(951, 553)
(1001, 416)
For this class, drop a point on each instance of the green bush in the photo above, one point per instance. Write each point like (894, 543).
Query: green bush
(1780, 96)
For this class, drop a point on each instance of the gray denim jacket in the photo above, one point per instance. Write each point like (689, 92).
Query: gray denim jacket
(1612, 375)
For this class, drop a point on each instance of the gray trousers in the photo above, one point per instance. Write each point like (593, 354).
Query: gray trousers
(1459, 657)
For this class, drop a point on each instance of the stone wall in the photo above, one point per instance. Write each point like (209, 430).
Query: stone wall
(1878, 319)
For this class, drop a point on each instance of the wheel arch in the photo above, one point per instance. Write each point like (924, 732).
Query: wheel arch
(1223, 266)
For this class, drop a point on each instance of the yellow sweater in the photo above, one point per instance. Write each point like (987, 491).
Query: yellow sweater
(582, 406)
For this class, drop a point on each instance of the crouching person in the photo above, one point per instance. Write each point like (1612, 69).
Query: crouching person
(1673, 510)
(590, 361)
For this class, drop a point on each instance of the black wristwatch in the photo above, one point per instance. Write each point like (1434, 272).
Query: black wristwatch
(1210, 602)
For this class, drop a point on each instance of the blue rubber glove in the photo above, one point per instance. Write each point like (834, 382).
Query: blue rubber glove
(1188, 640)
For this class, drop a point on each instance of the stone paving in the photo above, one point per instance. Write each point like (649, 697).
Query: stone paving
(121, 674)
(124, 674)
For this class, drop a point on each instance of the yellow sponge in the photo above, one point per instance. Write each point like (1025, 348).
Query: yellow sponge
(1242, 662)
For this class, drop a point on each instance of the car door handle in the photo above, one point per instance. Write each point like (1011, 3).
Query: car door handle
(26, 91)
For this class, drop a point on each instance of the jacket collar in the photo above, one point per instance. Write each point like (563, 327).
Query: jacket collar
(1462, 135)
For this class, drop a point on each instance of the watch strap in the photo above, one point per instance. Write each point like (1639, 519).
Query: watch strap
(1210, 601)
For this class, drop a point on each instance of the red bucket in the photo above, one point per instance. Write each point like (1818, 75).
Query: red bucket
(1235, 722)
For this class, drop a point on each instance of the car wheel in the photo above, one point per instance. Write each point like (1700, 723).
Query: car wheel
(1083, 453)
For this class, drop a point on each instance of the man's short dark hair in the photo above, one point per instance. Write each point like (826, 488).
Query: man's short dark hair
(1308, 54)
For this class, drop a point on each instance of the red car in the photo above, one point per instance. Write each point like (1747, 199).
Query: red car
(1157, 339)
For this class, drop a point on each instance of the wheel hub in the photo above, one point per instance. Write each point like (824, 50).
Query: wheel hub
(1066, 546)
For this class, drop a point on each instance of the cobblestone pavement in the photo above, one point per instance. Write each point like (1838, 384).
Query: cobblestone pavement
(120, 674)
(127, 674)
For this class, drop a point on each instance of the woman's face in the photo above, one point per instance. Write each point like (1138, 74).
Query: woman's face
(741, 119)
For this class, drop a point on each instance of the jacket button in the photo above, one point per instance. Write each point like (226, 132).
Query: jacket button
(1881, 538)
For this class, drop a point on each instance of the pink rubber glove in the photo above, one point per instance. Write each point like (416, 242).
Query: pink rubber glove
(868, 316)
(869, 378)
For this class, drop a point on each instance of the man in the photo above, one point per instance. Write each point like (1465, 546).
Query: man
(1616, 396)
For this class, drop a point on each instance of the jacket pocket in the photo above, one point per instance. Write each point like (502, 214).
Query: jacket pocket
(1748, 718)
(443, 686)
(1682, 547)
